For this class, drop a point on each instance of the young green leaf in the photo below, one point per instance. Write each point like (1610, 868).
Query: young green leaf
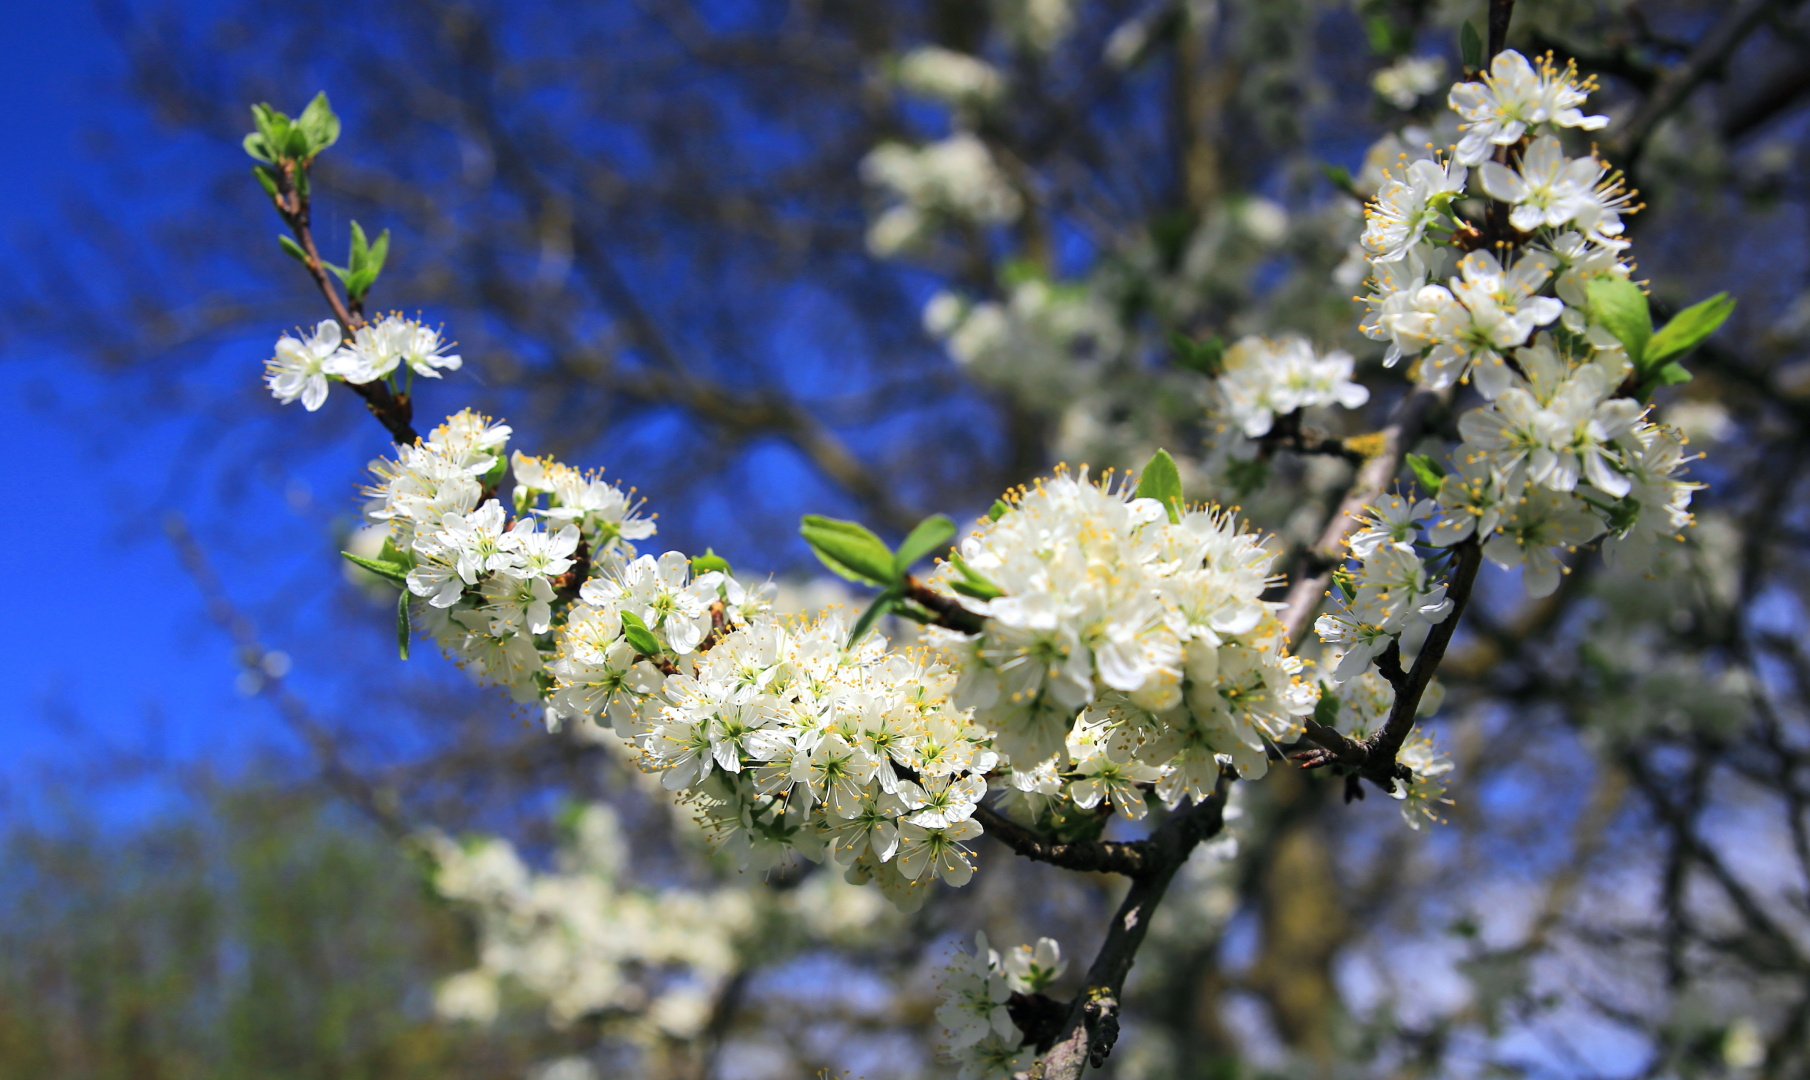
(273, 131)
(849, 549)
(1470, 47)
(355, 259)
(1340, 177)
(640, 638)
(317, 126)
(402, 624)
(1162, 481)
(973, 583)
(292, 249)
(394, 572)
(1620, 306)
(997, 510)
(359, 283)
(1688, 329)
(390, 553)
(708, 562)
(1430, 473)
(926, 538)
(378, 252)
(1326, 710)
(882, 604)
(1205, 356)
(266, 179)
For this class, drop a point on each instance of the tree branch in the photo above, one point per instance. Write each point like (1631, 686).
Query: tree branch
(1083, 856)
(1093, 1014)
(1404, 429)
(394, 411)
(1677, 84)
(1374, 758)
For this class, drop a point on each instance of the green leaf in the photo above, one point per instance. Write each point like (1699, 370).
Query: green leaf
(392, 554)
(1672, 374)
(1621, 308)
(493, 476)
(357, 284)
(1205, 356)
(1162, 481)
(640, 638)
(402, 624)
(379, 251)
(395, 572)
(266, 179)
(355, 259)
(273, 129)
(1470, 47)
(973, 583)
(997, 510)
(1326, 710)
(926, 538)
(1381, 31)
(849, 549)
(1430, 473)
(256, 146)
(292, 249)
(708, 562)
(1688, 329)
(1246, 475)
(882, 604)
(318, 126)
(1340, 177)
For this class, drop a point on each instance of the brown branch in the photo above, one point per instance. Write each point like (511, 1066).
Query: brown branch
(1287, 434)
(394, 411)
(1084, 856)
(377, 804)
(1404, 429)
(1500, 12)
(946, 611)
(1374, 757)
(1093, 1015)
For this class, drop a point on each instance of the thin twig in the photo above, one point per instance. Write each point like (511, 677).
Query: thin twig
(375, 803)
(394, 411)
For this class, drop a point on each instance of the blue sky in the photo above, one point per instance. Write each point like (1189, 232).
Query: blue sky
(118, 654)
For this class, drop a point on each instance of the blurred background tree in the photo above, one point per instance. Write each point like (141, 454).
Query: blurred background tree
(668, 246)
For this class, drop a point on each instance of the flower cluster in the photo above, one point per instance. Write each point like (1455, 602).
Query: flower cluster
(781, 738)
(1560, 452)
(588, 943)
(303, 367)
(487, 585)
(1123, 653)
(1263, 379)
(1360, 705)
(581, 939)
(1133, 644)
(1516, 98)
(956, 177)
(954, 78)
(1391, 597)
(978, 1032)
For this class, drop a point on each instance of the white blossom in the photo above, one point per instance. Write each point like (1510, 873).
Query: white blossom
(302, 366)
(378, 348)
(1514, 97)
(1264, 379)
